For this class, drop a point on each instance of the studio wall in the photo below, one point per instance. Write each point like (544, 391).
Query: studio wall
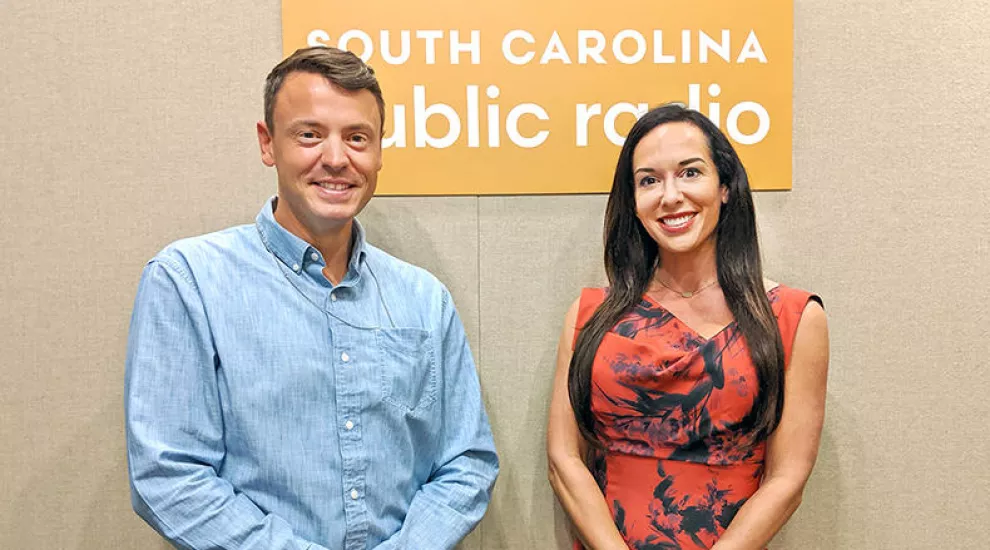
(128, 125)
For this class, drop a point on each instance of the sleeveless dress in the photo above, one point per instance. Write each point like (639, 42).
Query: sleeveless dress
(668, 405)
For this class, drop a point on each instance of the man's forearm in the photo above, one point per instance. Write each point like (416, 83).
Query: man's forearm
(446, 509)
(196, 512)
(174, 426)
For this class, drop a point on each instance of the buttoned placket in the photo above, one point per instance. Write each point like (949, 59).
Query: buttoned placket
(354, 314)
(353, 349)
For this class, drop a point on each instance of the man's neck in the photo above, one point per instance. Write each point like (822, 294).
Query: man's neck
(336, 251)
(333, 243)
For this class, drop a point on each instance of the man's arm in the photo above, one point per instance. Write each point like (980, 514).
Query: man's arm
(175, 427)
(453, 501)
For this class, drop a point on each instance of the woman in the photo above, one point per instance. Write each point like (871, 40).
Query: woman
(689, 396)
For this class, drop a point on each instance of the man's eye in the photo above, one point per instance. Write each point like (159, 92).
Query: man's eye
(308, 135)
(359, 138)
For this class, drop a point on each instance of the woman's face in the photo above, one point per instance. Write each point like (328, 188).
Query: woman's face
(678, 193)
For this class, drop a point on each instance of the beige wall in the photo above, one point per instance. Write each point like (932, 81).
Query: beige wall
(124, 126)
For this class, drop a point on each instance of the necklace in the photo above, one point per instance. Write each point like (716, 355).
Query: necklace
(685, 293)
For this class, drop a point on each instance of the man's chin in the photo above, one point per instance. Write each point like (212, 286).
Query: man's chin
(334, 222)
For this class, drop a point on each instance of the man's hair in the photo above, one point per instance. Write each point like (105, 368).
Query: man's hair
(340, 68)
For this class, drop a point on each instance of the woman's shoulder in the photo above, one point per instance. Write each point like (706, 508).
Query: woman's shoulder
(792, 306)
(784, 296)
(593, 293)
(587, 302)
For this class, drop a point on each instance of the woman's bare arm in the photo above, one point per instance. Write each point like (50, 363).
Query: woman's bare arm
(793, 447)
(570, 478)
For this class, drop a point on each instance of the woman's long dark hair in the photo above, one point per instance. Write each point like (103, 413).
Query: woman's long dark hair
(632, 257)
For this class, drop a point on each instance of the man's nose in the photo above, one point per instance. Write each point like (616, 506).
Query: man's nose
(335, 153)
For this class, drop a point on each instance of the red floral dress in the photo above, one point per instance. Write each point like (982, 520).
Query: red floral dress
(668, 405)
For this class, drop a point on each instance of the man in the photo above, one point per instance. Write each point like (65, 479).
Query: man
(290, 386)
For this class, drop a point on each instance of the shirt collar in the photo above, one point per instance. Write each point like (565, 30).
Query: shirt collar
(293, 251)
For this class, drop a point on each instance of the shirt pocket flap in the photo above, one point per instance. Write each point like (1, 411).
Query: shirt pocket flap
(408, 368)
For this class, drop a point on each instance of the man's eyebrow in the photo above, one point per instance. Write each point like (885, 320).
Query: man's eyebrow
(360, 126)
(302, 123)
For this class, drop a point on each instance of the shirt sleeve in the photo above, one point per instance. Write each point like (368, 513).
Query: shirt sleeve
(175, 427)
(455, 498)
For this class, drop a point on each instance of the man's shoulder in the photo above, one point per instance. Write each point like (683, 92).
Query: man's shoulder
(397, 270)
(208, 249)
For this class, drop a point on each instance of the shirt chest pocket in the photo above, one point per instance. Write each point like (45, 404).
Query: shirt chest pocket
(408, 368)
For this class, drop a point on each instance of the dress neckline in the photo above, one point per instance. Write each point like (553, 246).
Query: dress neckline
(698, 335)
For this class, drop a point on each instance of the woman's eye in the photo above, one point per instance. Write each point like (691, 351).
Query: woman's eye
(648, 180)
(692, 173)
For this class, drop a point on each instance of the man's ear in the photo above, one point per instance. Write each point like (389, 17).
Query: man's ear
(265, 143)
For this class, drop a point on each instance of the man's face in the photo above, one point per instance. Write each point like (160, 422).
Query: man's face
(326, 146)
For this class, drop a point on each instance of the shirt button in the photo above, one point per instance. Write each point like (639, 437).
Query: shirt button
(354, 494)
(314, 256)
(348, 425)
(295, 267)
(344, 357)
(333, 297)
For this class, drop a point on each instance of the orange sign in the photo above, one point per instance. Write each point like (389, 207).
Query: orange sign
(514, 97)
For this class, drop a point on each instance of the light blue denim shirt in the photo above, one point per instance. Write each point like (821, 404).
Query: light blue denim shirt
(269, 409)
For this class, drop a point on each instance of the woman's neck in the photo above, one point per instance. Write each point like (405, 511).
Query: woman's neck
(688, 271)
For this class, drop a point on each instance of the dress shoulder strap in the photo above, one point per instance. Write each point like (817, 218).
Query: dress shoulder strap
(788, 305)
(591, 298)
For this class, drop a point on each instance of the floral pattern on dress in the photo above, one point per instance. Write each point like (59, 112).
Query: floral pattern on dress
(670, 409)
